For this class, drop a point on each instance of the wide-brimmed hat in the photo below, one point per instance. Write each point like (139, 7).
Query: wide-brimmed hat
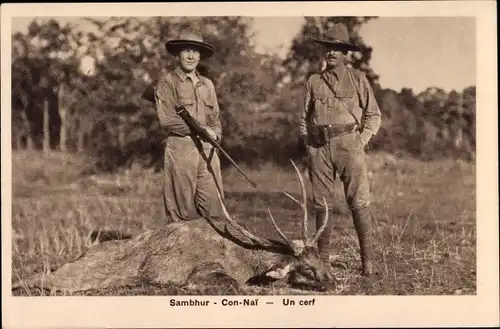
(337, 36)
(192, 40)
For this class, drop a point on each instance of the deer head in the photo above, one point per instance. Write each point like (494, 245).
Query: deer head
(305, 266)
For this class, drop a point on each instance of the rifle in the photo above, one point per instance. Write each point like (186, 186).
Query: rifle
(200, 131)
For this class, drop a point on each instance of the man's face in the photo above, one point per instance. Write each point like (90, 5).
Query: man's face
(334, 56)
(189, 59)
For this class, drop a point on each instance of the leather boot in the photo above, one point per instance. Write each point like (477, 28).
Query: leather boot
(325, 239)
(362, 223)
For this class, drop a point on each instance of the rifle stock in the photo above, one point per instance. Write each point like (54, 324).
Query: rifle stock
(200, 131)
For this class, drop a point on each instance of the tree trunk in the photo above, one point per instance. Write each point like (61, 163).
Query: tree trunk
(122, 120)
(63, 136)
(20, 142)
(17, 141)
(30, 145)
(26, 123)
(460, 124)
(458, 138)
(81, 140)
(63, 114)
(46, 127)
(81, 136)
(18, 129)
(445, 133)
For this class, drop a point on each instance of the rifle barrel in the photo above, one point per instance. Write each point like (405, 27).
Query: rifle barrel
(183, 113)
(236, 166)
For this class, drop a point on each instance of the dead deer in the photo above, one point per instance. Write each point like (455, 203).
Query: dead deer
(182, 252)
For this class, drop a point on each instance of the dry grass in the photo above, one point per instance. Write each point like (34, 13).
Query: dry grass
(425, 228)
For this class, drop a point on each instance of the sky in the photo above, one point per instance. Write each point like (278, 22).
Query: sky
(408, 52)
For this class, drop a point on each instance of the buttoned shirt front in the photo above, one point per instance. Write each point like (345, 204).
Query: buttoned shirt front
(351, 90)
(176, 88)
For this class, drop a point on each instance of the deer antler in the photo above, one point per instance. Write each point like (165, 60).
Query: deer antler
(292, 198)
(282, 235)
(303, 205)
(323, 226)
(262, 242)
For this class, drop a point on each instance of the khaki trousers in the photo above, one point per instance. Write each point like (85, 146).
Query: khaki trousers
(343, 155)
(191, 172)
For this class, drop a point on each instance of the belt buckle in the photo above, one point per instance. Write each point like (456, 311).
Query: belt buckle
(329, 131)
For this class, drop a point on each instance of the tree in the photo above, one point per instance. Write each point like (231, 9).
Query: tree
(39, 64)
(98, 110)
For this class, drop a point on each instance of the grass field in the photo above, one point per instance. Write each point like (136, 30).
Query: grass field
(425, 228)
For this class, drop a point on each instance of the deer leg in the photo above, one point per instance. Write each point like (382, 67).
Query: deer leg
(102, 235)
(212, 276)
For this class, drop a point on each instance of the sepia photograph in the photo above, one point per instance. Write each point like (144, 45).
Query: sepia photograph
(261, 158)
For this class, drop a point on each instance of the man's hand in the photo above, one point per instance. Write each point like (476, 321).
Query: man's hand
(305, 140)
(211, 132)
(306, 144)
(365, 137)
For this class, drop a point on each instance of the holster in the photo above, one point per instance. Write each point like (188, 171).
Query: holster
(321, 134)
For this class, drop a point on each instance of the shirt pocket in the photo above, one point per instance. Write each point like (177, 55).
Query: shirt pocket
(323, 107)
(346, 97)
(187, 102)
(320, 104)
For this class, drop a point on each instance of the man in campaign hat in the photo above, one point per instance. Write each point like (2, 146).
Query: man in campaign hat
(339, 118)
(191, 165)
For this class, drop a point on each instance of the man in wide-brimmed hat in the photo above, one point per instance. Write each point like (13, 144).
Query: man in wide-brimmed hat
(191, 165)
(340, 117)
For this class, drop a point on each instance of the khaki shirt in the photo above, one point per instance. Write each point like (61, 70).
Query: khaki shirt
(200, 100)
(352, 89)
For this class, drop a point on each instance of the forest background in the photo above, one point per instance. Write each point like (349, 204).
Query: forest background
(79, 92)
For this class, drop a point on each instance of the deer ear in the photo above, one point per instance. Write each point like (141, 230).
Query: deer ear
(279, 273)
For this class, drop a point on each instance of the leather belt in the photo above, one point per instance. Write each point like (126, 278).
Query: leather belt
(173, 134)
(336, 130)
(321, 134)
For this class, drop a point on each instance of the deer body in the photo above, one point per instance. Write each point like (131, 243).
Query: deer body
(170, 254)
(182, 252)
